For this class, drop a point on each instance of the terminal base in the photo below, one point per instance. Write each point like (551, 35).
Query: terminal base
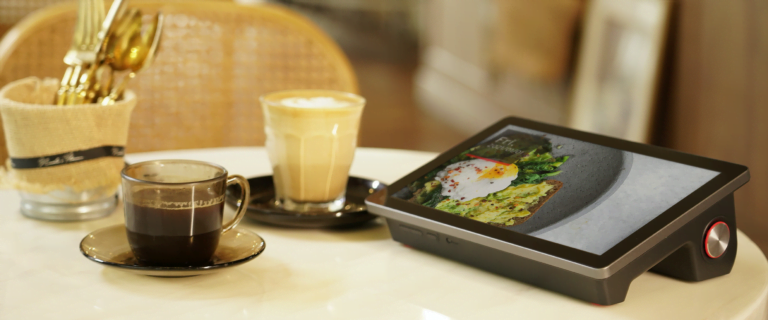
(681, 256)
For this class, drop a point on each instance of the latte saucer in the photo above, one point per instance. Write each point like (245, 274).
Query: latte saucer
(262, 205)
(109, 246)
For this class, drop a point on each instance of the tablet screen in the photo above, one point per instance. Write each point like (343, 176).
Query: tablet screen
(574, 193)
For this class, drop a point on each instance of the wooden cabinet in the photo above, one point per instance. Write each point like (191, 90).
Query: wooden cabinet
(715, 98)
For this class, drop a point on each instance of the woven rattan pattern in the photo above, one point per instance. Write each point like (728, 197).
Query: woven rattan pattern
(216, 58)
(13, 11)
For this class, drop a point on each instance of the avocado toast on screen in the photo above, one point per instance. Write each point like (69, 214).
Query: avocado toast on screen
(529, 156)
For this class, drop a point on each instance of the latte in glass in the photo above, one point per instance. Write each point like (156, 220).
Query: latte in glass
(311, 140)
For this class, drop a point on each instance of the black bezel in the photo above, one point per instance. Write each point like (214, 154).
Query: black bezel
(728, 173)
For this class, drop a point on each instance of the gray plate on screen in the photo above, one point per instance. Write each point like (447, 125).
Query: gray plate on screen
(590, 175)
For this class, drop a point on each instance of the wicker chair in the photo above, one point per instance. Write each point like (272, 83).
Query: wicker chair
(215, 59)
(12, 11)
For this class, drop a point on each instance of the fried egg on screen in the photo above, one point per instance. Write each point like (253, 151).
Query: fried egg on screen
(475, 178)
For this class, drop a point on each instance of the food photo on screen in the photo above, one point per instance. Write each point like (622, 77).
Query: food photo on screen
(502, 182)
(572, 192)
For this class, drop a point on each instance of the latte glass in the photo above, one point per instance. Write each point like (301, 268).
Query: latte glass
(311, 140)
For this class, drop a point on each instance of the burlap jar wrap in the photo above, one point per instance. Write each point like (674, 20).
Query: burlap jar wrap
(78, 147)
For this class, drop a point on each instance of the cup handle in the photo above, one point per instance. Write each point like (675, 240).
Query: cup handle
(243, 202)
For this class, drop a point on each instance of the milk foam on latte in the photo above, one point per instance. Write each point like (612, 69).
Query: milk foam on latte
(314, 102)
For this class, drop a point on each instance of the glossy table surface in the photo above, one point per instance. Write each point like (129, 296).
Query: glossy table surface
(317, 274)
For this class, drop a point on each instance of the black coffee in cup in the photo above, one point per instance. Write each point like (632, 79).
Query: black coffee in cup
(174, 209)
(174, 237)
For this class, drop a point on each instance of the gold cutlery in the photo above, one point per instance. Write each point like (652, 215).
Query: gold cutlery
(136, 57)
(118, 45)
(103, 45)
(90, 14)
(86, 93)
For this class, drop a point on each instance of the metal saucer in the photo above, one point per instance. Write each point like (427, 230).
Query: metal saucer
(262, 205)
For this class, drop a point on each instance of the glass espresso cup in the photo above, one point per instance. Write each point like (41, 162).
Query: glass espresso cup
(311, 140)
(174, 210)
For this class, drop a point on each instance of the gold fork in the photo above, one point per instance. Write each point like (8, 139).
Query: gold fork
(88, 52)
(82, 53)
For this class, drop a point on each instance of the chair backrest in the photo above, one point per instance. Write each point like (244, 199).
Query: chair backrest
(215, 59)
(12, 11)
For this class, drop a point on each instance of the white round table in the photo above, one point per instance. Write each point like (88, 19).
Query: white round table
(316, 274)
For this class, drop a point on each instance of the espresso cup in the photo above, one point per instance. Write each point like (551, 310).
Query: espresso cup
(174, 210)
(311, 140)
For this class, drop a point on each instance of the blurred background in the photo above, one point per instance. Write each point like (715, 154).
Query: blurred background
(691, 75)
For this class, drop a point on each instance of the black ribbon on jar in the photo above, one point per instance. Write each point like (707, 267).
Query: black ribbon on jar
(67, 158)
